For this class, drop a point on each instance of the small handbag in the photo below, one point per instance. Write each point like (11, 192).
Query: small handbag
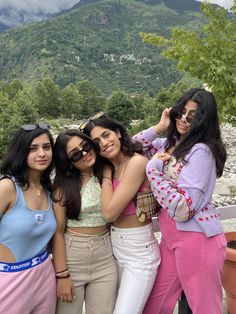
(146, 206)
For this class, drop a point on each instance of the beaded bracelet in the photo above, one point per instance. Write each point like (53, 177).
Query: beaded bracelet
(62, 271)
(107, 178)
(107, 183)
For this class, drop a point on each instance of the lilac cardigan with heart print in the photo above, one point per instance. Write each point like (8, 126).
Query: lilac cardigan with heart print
(191, 193)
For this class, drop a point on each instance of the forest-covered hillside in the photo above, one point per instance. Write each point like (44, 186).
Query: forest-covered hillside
(98, 41)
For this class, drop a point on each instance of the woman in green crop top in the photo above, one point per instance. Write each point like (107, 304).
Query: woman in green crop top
(83, 259)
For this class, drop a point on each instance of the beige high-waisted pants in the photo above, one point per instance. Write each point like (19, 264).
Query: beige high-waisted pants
(93, 270)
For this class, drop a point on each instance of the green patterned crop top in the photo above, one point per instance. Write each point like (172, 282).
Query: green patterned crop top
(91, 212)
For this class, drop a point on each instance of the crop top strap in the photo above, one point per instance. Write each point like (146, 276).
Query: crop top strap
(6, 176)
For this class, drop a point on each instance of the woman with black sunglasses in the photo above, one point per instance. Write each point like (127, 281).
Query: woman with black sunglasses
(27, 223)
(182, 174)
(84, 263)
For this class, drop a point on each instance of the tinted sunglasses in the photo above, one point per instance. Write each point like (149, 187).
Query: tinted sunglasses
(33, 126)
(188, 119)
(91, 119)
(78, 154)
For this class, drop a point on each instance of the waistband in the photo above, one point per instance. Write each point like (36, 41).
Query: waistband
(23, 265)
(144, 228)
(83, 235)
(85, 242)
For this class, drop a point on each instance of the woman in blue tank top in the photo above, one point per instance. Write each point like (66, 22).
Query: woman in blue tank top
(27, 224)
(82, 253)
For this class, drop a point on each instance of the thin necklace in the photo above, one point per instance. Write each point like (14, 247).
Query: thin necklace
(38, 190)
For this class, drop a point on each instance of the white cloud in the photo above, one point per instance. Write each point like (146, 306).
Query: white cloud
(15, 12)
(53, 6)
(224, 3)
(36, 6)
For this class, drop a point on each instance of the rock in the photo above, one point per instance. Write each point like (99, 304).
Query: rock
(232, 190)
(225, 189)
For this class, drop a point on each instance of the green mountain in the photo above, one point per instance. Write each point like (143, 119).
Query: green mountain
(98, 41)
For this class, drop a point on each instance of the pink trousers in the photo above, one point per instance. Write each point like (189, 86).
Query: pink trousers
(190, 262)
(31, 291)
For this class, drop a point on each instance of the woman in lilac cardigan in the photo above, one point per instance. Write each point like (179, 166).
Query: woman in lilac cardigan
(182, 173)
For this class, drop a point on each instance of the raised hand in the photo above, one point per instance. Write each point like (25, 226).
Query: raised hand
(164, 122)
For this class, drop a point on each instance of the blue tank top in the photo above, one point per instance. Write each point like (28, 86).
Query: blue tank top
(26, 232)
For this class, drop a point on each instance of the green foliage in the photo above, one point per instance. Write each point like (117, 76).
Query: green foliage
(12, 88)
(98, 42)
(92, 99)
(120, 107)
(208, 54)
(20, 104)
(13, 113)
(138, 103)
(71, 102)
(74, 101)
(48, 98)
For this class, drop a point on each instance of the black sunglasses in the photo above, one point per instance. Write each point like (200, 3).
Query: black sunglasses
(33, 126)
(188, 119)
(95, 117)
(78, 154)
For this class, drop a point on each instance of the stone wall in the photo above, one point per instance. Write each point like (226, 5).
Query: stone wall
(225, 190)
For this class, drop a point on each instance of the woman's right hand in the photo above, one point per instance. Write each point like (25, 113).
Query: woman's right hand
(107, 172)
(162, 156)
(163, 124)
(65, 289)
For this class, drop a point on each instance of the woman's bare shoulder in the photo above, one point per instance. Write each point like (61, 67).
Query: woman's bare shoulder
(7, 185)
(7, 194)
(138, 159)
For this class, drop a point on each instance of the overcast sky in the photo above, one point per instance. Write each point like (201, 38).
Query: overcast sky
(53, 6)
(224, 3)
(35, 6)
(10, 10)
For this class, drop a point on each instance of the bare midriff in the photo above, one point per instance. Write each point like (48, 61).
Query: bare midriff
(129, 221)
(6, 255)
(86, 230)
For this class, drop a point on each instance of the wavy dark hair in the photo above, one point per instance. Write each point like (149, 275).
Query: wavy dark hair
(128, 147)
(204, 128)
(67, 183)
(15, 161)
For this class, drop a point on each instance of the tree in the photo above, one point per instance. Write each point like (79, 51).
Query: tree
(12, 88)
(71, 102)
(120, 107)
(92, 99)
(208, 54)
(48, 98)
(14, 113)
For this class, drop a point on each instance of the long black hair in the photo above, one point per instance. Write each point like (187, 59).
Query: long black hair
(15, 161)
(67, 183)
(204, 128)
(128, 147)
